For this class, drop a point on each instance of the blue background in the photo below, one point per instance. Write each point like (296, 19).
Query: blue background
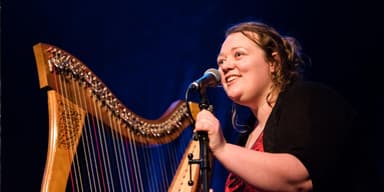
(147, 53)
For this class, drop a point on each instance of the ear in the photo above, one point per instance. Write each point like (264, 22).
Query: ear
(276, 61)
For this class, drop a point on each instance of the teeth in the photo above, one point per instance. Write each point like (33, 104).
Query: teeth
(231, 78)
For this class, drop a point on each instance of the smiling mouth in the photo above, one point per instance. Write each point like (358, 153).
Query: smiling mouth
(231, 78)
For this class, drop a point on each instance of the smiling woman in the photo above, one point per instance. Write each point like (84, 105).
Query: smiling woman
(299, 132)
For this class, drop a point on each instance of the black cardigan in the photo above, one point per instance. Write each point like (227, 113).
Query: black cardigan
(315, 124)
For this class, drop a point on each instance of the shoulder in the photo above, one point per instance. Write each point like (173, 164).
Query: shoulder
(314, 100)
(309, 87)
(309, 91)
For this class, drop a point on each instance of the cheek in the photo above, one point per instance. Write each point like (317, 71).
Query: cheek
(222, 79)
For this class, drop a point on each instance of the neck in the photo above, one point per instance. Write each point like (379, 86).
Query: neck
(263, 110)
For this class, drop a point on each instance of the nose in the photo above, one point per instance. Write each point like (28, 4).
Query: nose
(227, 65)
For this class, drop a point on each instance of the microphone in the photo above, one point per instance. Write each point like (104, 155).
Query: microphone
(211, 78)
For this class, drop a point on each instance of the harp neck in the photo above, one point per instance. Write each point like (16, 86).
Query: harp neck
(52, 61)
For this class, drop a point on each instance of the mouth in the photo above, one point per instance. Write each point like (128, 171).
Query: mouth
(231, 78)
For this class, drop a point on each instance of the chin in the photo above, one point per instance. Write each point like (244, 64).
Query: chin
(234, 98)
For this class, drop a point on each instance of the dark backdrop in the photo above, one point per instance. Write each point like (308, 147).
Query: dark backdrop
(147, 52)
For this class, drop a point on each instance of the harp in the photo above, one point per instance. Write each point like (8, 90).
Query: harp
(88, 125)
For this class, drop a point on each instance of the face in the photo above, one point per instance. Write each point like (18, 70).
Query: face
(246, 75)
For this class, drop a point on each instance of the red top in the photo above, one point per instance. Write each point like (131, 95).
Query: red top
(234, 183)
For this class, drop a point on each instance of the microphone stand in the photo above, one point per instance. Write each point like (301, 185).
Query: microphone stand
(204, 147)
(205, 154)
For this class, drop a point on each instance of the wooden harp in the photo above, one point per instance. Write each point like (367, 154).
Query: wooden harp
(82, 110)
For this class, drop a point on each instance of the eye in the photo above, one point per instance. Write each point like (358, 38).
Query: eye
(220, 61)
(238, 54)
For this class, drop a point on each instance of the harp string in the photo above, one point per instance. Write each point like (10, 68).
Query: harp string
(121, 160)
(67, 125)
(78, 184)
(67, 129)
(89, 155)
(77, 173)
(88, 146)
(98, 140)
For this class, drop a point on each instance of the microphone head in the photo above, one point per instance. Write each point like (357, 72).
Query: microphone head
(215, 73)
(211, 78)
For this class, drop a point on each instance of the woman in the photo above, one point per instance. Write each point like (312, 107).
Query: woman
(298, 130)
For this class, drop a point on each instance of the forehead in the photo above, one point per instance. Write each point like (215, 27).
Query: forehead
(238, 39)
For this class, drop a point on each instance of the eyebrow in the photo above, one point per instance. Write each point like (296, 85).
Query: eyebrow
(233, 48)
